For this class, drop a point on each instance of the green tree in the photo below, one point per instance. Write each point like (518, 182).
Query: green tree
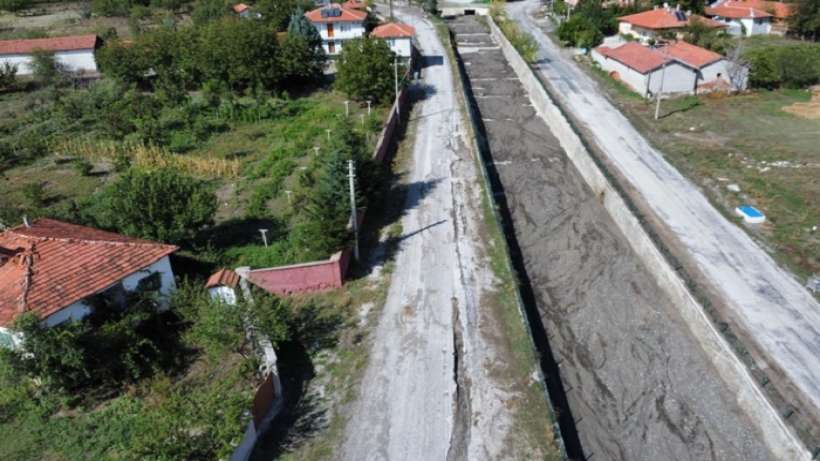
(14, 5)
(124, 62)
(209, 10)
(806, 19)
(238, 52)
(160, 205)
(299, 61)
(323, 228)
(45, 67)
(8, 76)
(277, 13)
(301, 27)
(365, 70)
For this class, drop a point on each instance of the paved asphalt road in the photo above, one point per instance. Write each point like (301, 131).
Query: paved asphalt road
(767, 302)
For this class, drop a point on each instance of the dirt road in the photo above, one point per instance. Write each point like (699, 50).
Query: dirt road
(767, 305)
(638, 384)
(427, 392)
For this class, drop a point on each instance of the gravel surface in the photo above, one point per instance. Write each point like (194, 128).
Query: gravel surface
(427, 392)
(778, 317)
(638, 384)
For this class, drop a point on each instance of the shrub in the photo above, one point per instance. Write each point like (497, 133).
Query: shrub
(365, 70)
(8, 74)
(161, 205)
(45, 67)
(14, 5)
(83, 167)
(35, 194)
(791, 66)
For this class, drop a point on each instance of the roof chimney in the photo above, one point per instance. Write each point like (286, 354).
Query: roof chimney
(677, 7)
(666, 6)
(25, 221)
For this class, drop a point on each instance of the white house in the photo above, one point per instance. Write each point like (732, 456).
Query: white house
(656, 23)
(755, 17)
(336, 24)
(223, 286)
(55, 270)
(75, 53)
(398, 36)
(674, 69)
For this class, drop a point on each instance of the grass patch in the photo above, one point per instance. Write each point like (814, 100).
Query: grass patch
(748, 140)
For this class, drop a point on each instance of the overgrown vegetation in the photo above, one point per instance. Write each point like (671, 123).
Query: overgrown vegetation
(522, 41)
(365, 70)
(138, 383)
(792, 65)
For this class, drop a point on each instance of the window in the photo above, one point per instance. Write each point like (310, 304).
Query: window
(344, 27)
(151, 283)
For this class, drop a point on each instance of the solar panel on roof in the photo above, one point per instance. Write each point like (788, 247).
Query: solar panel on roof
(680, 15)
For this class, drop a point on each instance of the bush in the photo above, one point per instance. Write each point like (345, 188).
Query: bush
(161, 205)
(8, 74)
(790, 66)
(83, 167)
(365, 70)
(35, 194)
(45, 67)
(14, 5)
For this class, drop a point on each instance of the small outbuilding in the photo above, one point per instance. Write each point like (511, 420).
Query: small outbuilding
(398, 36)
(74, 53)
(223, 286)
(675, 68)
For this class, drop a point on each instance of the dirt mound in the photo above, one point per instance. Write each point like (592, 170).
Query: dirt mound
(809, 110)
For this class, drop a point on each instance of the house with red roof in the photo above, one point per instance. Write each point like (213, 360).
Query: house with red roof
(75, 53)
(55, 270)
(398, 36)
(337, 24)
(660, 22)
(751, 17)
(676, 68)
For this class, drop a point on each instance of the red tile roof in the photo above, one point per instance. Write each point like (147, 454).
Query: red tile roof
(346, 15)
(393, 30)
(645, 59)
(240, 7)
(641, 58)
(691, 55)
(354, 5)
(76, 42)
(662, 18)
(728, 10)
(224, 278)
(779, 10)
(55, 264)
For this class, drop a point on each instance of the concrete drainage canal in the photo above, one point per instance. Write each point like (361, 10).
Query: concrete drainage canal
(633, 382)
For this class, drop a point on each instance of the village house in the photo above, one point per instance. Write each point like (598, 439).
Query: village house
(661, 22)
(674, 69)
(398, 36)
(751, 17)
(74, 53)
(54, 269)
(354, 5)
(337, 24)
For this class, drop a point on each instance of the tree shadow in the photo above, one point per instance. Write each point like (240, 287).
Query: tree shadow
(239, 232)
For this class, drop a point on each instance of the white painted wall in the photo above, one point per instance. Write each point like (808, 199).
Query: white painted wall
(401, 46)
(222, 293)
(628, 76)
(75, 61)
(341, 31)
(678, 79)
(7, 335)
(76, 311)
(167, 283)
(737, 27)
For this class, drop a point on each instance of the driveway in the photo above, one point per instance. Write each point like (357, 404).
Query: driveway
(767, 305)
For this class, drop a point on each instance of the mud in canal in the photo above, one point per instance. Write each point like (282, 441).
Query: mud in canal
(639, 386)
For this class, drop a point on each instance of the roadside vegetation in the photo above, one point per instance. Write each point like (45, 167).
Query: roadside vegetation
(203, 130)
(522, 41)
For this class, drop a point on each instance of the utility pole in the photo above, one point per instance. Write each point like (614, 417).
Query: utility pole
(368, 107)
(660, 90)
(316, 151)
(391, 10)
(328, 134)
(351, 175)
(347, 108)
(396, 82)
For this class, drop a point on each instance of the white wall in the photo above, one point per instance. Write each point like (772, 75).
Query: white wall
(401, 46)
(9, 335)
(737, 26)
(167, 283)
(75, 311)
(222, 293)
(81, 60)
(677, 79)
(341, 31)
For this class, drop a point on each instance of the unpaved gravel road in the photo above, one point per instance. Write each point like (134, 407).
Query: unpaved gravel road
(638, 384)
(767, 303)
(427, 393)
